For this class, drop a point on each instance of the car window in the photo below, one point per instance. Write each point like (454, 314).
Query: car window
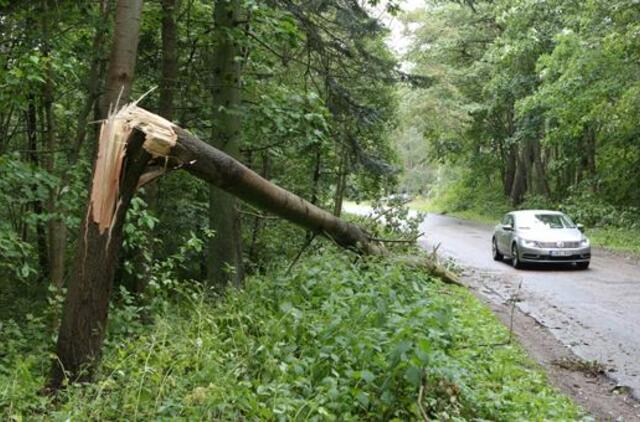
(505, 219)
(546, 221)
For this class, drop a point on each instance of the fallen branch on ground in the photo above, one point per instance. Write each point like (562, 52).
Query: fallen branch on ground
(412, 240)
(432, 266)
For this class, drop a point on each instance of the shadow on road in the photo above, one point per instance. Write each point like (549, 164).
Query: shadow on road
(547, 267)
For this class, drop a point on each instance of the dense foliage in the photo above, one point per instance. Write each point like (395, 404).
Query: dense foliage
(332, 339)
(317, 108)
(535, 104)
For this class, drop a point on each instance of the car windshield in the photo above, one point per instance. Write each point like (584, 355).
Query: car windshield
(545, 221)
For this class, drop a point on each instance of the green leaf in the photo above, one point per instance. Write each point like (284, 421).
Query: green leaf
(413, 375)
(367, 376)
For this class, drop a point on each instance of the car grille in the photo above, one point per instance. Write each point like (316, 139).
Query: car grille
(559, 244)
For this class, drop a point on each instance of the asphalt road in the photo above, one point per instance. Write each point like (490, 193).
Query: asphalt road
(596, 313)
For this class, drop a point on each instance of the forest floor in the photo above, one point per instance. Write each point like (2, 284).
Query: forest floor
(579, 325)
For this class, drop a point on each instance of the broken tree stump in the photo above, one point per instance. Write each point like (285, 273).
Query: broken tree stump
(135, 147)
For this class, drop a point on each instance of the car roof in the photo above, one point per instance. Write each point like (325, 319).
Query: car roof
(530, 212)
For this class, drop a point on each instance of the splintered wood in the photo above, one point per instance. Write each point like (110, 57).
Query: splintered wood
(115, 132)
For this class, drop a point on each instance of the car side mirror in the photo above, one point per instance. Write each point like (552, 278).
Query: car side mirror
(507, 227)
(580, 227)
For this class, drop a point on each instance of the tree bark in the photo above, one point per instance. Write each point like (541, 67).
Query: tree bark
(41, 234)
(169, 74)
(228, 174)
(168, 78)
(169, 59)
(92, 86)
(224, 264)
(86, 304)
(315, 180)
(541, 182)
(341, 182)
(589, 155)
(57, 230)
(510, 169)
(84, 316)
(519, 186)
(124, 51)
(257, 220)
(57, 227)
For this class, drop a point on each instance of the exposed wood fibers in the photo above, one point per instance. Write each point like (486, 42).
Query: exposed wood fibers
(114, 134)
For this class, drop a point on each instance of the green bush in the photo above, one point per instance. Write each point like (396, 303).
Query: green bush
(21, 185)
(468, 196)
(465, 194)
(591, 210)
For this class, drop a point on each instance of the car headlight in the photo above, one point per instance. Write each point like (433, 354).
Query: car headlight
(584, 242)
(530, 243)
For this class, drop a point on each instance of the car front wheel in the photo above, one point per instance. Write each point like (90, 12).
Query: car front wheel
(515, 257)
(497, 256)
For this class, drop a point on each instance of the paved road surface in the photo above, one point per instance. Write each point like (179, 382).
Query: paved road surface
(595, 312)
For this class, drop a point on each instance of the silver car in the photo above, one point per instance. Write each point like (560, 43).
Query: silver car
(540, 236)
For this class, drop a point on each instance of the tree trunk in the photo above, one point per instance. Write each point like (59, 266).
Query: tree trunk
(92, 86)
(224, 264)
(589, 155)
(510, 169)
(228, 174)
(85, 310)
(341, 182)
(169, 73)
(520, 180)
(84, 317)
(315, 180)
(168, 79)
(57, 230)
(41, 234)
(86, 305)
(124, 50)
(540, 175)
(169, 59)
(510, 158)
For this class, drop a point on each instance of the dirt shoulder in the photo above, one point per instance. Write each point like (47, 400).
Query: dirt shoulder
(589, 387)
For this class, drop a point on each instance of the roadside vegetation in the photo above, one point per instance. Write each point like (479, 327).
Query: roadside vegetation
(333, 339)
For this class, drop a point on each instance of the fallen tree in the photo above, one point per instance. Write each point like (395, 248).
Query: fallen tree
(135, 147)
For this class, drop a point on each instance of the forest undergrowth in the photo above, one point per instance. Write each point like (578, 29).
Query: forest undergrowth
(335, 338)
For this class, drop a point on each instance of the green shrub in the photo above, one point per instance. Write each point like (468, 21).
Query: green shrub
(592, 211)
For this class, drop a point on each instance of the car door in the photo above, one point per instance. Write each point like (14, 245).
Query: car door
(508, 234)
(504, 239)
(500, 232)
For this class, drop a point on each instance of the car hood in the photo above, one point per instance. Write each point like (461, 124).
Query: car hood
(552, 235)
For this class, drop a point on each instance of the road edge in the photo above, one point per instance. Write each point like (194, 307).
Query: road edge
(598, 394)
